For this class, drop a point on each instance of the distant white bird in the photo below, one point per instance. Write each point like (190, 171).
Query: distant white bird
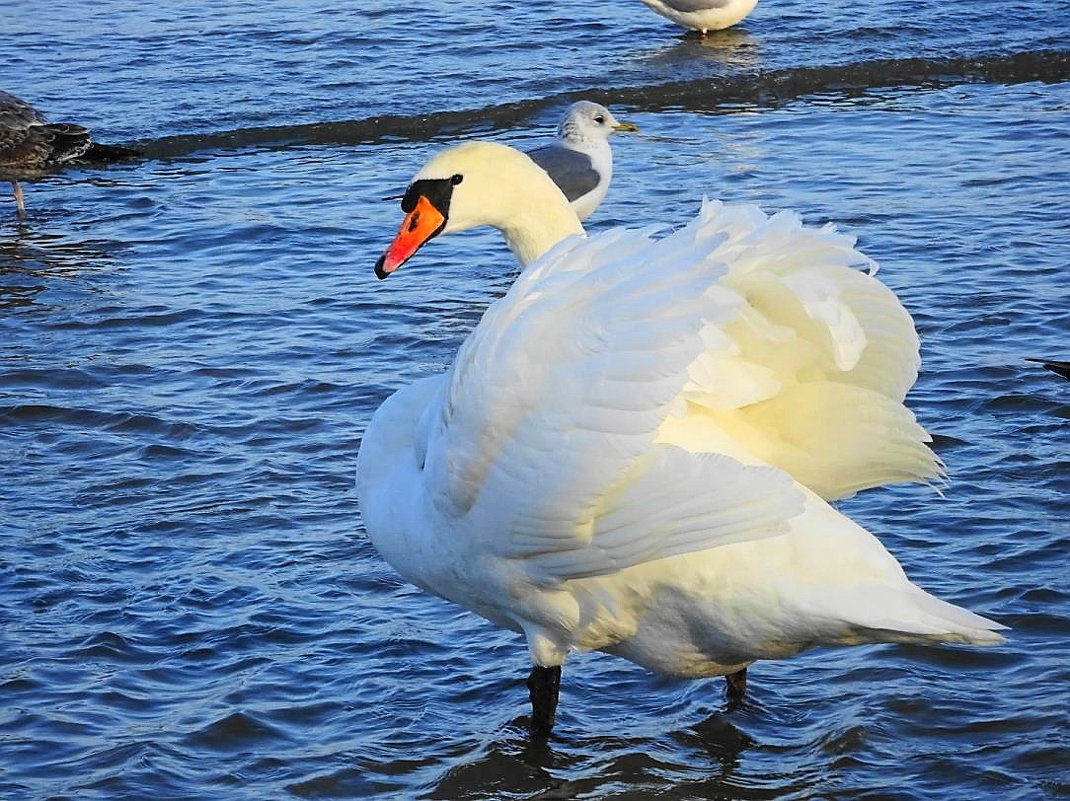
(702, 15)
(580, 162)
(631, 450)
(31, 146)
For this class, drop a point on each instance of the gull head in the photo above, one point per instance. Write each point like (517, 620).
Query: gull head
(587, 121)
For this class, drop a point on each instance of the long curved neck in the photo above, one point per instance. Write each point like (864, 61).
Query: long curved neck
(536, 229)
(532, 213)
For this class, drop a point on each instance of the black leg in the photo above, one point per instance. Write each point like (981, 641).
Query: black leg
(544, 683)
(736, 687)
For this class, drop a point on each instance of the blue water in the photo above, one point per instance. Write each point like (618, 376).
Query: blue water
(191, 345)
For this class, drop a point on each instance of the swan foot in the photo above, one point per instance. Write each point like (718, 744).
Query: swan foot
(544, 684)
(736, 688)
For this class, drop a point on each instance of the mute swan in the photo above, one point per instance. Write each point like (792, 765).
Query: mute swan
(579, 474)
(580, 161)
(702, 15)
(30, 146)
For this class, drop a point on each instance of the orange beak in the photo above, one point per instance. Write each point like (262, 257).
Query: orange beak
(419, 225)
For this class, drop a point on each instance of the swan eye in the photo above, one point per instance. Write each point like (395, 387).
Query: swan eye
(600, 119)
(456, 179)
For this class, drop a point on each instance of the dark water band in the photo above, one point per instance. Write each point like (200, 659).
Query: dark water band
(760, 89)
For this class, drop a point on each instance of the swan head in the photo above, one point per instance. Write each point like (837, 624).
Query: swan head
(481, 183)
(585, 121)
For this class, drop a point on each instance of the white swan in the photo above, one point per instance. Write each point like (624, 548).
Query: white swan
(591, 472)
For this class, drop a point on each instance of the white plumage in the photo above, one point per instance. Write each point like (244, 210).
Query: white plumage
(631, 451)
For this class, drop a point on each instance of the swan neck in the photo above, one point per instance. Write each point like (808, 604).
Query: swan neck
(533, 232)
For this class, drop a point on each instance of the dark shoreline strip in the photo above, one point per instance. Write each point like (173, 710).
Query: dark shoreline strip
(758, 89)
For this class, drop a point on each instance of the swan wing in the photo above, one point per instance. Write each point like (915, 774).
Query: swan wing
(541, 445)
(669, 502)
(578, 426)
(811, 372)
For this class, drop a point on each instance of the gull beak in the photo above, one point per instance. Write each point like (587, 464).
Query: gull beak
(422, 223)
(625, 126)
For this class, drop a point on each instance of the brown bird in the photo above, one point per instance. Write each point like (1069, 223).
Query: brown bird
(31, 146)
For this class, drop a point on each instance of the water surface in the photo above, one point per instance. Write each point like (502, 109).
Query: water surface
(191, 345)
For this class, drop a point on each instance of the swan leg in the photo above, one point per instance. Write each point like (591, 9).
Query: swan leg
(736, 687)
(544, 684)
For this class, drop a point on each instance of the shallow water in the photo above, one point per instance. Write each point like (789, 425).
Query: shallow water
(191, 345)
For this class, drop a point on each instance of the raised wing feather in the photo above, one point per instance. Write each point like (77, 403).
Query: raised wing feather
(582, 351)
(740, 329)
(543, 446)
(811, 372)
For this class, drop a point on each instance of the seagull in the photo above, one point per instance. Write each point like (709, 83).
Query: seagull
(635, 449)
(580, 161)
(702, 15)
(31, 146)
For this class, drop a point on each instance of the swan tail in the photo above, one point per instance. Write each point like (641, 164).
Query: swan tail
(912, 616)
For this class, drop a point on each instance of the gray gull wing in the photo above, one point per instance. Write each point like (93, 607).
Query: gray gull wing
(572, 171)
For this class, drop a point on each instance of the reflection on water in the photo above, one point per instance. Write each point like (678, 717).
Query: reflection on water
(30, 257)
(709, 753)
(733, 49)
